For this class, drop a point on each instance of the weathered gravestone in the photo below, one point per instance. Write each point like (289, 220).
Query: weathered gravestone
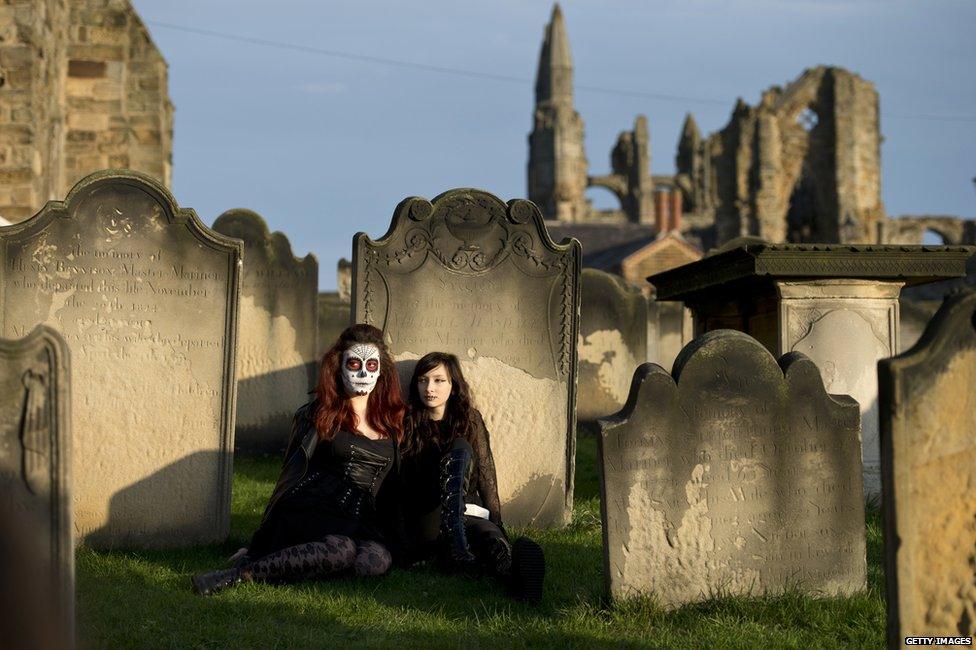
(927, 402)
(146, 297)
(737, 476)
(612, 342)
(335, 315)
(277, 341)
(471, 275)
(35, 508)
(335, 307)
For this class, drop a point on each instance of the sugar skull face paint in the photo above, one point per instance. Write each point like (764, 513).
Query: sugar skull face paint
(360, 368)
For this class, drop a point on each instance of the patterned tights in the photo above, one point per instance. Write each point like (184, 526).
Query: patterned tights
(315, 560)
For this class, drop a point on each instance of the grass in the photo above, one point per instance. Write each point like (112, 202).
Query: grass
(142, 599)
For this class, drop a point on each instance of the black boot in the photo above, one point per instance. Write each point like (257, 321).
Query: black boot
(528, 570)
(209, 583)
(455, 472)
(499, 557)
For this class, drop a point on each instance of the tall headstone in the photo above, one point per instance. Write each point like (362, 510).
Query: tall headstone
(147, 298)
(737, 476)
(928, 468)
(471, 275)
(335, 307)
(613, 341)
(35, 507)
(277, 342)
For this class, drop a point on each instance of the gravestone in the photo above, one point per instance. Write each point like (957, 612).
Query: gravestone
(470, 275)
(277, 342)
(613, 341)
(927, 402)
(147, 298)
(35, 508)
(335, 315)
(738, 476)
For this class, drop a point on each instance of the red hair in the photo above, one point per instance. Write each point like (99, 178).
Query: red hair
(384, 407)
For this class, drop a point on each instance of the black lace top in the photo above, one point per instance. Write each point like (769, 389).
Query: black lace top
(336, 496)
(421, 471)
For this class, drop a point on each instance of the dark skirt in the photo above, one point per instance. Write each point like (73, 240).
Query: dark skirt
(320, 505)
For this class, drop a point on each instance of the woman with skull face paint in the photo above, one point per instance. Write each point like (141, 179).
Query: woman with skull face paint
(450, 490)
(333, 507)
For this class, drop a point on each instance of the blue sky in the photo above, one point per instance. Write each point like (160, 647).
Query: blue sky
(325, 146)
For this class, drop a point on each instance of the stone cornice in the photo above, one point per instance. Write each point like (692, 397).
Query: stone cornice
(751, 262)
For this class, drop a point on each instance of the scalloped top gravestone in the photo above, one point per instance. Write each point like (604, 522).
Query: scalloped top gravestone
(470, 275)
(34, 471)
(612, 342)
(146, 297)
(927, 403)
(738, 476)
(277, 340)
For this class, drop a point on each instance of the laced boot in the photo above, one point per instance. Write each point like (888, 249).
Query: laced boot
(499, 557)
(455, 473)
(210, 582)
(528, 570)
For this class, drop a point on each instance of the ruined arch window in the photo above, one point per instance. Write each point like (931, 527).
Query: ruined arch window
(933, 238)
(808, 119)
(603, 199)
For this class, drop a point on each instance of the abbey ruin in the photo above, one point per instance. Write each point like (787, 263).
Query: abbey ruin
(803, 165)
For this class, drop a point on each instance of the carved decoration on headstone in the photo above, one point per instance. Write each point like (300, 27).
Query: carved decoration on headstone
(277, 339)
(927, 405)
(35, 501)
(738, 476)
(146, 297)
(470, 275)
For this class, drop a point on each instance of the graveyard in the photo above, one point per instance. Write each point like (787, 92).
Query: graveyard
(724, 497)
(737, 409)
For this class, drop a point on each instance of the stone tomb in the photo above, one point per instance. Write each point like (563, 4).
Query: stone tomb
(612, 342)
(738, 476)
(35, 508)
(277, 340)
(146, 297)
(928, 467)
(838, 304)
(471, 275)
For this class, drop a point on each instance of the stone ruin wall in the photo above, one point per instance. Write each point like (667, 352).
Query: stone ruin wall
(84, 88)
(802, 165)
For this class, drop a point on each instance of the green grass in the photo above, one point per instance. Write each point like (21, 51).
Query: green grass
(143, 599)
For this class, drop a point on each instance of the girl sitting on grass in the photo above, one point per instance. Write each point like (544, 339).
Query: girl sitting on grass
(332, 508)
(450, 490)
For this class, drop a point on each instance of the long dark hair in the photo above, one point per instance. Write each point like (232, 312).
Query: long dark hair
(458, 414)
(384, 407)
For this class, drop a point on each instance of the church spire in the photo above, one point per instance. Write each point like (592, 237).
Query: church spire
(557, 161)
(554, 78)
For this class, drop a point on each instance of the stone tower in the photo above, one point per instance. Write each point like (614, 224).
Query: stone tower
(557, 162)
(82, 87)
(630, 179)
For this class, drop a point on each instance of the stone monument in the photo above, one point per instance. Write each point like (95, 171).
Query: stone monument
(738, 476)
(471, 275)
(838, 304)
(146, 297)
(928, 465)
(277, 342)
(35, 506)
(613, 341)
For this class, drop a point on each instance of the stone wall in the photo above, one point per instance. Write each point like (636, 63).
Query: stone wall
(84, 88)
(801, 166)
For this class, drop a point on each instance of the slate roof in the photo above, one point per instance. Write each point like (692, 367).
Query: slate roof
(605, 245)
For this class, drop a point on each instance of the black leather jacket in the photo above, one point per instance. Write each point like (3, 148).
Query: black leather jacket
(301, 446)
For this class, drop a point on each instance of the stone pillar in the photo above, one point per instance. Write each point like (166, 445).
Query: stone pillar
(845, 326)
